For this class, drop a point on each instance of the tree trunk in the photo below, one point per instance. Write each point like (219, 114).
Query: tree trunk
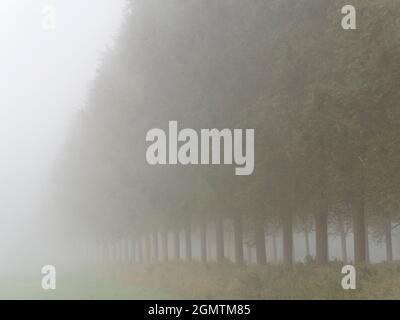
(219, 228)
(274, 248)
(147, 249)
(248, 254)
(125, 251)
(287, 233)
(155, 247)
(140, 249)
(177, 245)
(321, 216)
(116, 251)
(164, 239)
(388, 240)
(343, 241)
(103, 253)
(188, 242)
(307, 241)
(114, 256)
(132, 250)
(203, 242)
(321, 238)
(359, 230)
(261, 254)
(110, 252)
(229, 246)
(367, 257)
(238, 239)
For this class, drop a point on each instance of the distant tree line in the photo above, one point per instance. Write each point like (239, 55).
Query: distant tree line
(324, 103)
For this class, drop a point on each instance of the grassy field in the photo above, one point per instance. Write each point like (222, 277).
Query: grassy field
(197, 281)
(212, 281)
(76, 286)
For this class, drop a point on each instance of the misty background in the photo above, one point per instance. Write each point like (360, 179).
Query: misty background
(45, 75)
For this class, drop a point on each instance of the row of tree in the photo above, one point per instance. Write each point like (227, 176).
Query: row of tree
(324, 103)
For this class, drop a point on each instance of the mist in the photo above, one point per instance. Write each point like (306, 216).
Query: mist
(89, 85)
(45, 76)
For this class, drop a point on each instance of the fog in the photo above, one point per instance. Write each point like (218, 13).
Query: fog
(45, 75)
(84, 82)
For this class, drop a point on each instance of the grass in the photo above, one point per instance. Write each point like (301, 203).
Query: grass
(212, 281)
(197, 281)
(76, 286)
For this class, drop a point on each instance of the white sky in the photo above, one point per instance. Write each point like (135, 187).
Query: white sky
(44, 77)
